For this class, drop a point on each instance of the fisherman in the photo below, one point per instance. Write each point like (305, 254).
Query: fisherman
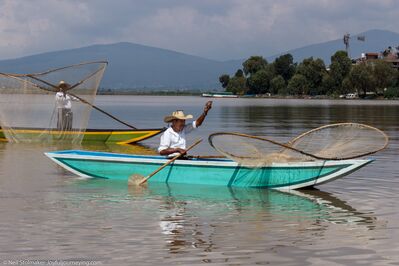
(64, 106)
(173, 140)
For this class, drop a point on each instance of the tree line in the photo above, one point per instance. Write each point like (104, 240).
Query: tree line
(312, 77)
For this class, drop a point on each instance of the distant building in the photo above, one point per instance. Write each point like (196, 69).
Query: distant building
(390, 55)
(393, 61)
(371, 56)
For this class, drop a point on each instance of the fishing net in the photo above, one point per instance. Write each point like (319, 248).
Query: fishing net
(331, 142)
(253, 151)
(51, 106)
(340, 141)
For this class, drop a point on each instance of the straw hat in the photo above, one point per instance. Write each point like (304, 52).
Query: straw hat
(176, 115)
(62, 84)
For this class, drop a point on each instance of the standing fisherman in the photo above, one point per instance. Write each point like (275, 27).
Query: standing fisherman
(64, 107)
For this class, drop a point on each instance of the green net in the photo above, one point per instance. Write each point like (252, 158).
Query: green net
(51, 106)
(331, 142)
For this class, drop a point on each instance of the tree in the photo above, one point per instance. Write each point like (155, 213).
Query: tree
(224, 79)
(254, 64)
(327, 85)
(347, 86)
(259, 82)
(340, 68)
(284, 91)
(313, 70)
(237, 85)
(239, 73)
(298, 85)
(384, 75)
(391, 93)
(284, 66)
(277, 85)
(361, 78)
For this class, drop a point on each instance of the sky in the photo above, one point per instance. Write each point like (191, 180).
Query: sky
(215, 29)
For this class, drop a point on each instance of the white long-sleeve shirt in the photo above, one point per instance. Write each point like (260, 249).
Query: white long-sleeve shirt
(64, 101)
(173, 139)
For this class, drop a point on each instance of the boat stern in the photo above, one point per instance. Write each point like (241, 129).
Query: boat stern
(345, 167)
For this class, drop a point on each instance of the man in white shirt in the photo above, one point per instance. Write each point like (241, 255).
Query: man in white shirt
(64, 107)
(173, 140)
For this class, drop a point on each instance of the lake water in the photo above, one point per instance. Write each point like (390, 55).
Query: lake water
(47, 213)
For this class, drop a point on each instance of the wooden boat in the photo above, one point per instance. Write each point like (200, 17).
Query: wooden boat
(118, 136)
(222, 172)
(219, 95)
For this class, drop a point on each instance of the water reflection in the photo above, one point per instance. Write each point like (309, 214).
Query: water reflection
(196, 216)
(307, 204)
(304, 210)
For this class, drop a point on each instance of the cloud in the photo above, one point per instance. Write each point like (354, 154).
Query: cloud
(33, 26)
(220, 29)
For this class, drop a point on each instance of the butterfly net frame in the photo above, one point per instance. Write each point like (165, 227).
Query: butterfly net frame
(31, 112)
(341, 141)
(331, 142)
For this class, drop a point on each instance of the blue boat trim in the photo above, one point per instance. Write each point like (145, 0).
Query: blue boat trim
(120, 155)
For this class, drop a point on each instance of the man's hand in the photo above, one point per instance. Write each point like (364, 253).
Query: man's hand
(208, 106)
(201, 118)
(181, 151)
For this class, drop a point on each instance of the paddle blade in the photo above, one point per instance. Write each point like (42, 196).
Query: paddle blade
(340, 141)
(135, 180)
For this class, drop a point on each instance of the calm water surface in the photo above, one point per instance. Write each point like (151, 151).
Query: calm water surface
(47, 213)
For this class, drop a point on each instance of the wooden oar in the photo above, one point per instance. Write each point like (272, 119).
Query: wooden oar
(102, 111)
(137, 179)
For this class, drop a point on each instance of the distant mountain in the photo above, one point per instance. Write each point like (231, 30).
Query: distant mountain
(375, 41)
(132, 66)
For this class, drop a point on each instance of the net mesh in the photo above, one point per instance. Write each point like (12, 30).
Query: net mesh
(331, 142)
(253, 151)
(51, 106)
(340, 141)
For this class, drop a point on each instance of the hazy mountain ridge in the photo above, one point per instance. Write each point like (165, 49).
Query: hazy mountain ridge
(138, 66)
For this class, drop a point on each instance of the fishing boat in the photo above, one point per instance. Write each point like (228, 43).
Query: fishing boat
(222, 172)
(117, 136)
(55, 105)
(219, 95)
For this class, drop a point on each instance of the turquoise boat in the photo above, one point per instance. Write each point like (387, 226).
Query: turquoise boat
(221, 172)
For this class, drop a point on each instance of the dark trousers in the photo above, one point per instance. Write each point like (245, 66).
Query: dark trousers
(64, 119)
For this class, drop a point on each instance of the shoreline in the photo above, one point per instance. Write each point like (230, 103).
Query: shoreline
(318, 97)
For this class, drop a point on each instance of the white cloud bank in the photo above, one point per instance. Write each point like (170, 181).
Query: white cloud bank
(219, 29)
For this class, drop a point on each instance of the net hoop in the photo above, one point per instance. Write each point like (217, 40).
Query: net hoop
(386, 138)
(290, 145)
(35, 76)
(32, 109)
(20, 79)
(57, 69)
